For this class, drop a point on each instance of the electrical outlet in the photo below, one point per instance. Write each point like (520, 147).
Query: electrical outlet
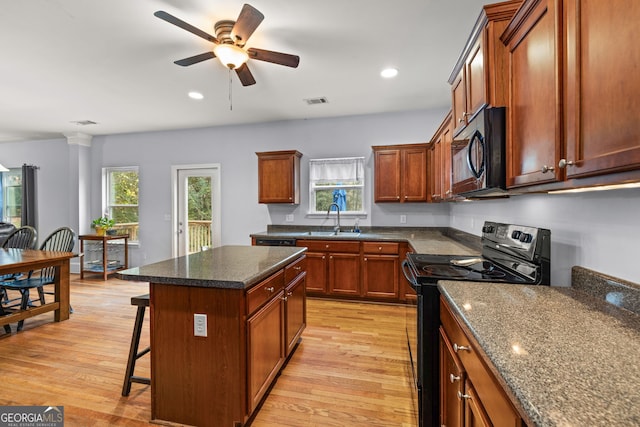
(403, 219)
(289, 218)
(199, 325)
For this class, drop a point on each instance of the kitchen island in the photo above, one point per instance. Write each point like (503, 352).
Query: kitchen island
(563, 356)
(223, 323)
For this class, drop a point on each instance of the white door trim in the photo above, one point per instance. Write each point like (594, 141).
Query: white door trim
(217, 212)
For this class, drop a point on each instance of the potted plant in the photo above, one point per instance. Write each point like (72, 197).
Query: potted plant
(102, 224)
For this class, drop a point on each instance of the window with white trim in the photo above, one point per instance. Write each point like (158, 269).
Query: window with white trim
(120, 195)
(339, 181)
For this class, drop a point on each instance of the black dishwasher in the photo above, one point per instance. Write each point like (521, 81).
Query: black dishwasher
(275, 241)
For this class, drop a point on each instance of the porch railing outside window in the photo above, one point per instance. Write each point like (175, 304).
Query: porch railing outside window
(199, 234)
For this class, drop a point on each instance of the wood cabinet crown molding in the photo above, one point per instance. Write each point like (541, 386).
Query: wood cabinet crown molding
(492, 12)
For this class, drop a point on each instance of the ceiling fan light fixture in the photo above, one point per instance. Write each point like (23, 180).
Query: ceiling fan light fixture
(230, 55)
(3, 169)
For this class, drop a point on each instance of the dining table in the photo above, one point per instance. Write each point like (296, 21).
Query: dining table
(24, 260)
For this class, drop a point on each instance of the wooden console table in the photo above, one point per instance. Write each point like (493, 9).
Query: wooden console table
(104, 268)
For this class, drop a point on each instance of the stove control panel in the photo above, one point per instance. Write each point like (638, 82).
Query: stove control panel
(529, 243)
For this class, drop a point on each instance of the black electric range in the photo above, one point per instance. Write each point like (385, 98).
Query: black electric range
(510, 254)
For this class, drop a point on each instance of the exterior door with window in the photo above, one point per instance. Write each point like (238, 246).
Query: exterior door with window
(197, 208)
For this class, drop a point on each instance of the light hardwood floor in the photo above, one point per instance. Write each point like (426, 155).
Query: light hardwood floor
(351, 368)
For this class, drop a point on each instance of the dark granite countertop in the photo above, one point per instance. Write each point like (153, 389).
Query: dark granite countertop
(231, 267)
(566, 357)
(441, 241)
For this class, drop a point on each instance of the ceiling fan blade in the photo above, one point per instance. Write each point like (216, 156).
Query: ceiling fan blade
(246, 24)
(245, 76)
(195, 59)
(274, 57)
(185, 26)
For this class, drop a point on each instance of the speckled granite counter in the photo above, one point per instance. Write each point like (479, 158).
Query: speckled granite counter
(424, 240)
(565, 357)
(236, 267)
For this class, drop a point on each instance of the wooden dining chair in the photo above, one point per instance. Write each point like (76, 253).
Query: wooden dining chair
(61, 240)
(20, 238)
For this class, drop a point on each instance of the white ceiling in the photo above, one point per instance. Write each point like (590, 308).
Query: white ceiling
(111, 62)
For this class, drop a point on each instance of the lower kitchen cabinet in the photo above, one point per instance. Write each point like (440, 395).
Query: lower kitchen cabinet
(344, 274)
(296, 312)
(470, 395)
(380, 264)
(265, 347)
(333, 267)
(366, 270)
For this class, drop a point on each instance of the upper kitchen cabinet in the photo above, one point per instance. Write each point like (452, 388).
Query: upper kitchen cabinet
(479, 77)
(573, 103)
(533, 113)
(400, 173)
(439, 170)
(601, 87)
(279, 177)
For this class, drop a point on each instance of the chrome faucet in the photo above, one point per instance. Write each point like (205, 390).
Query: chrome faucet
(337, 227)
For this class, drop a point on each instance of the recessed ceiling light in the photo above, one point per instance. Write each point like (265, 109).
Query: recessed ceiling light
(388, 73)
(196, 95)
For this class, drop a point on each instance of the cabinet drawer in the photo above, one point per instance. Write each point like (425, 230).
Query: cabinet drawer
(380, 248)
(330, 245)
(295, 268)
(263, 291)
(493, 397)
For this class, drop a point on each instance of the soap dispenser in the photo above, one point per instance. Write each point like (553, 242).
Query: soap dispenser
(356, 227)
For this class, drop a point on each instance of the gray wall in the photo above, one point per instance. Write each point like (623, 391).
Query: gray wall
(595, 230)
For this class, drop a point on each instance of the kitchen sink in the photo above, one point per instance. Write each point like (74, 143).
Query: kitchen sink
(334, 233)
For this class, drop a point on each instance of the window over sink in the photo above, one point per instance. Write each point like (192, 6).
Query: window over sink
(338, 180)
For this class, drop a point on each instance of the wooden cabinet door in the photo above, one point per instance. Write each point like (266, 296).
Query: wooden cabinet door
(602, 87)
(387, 176)
(474, 413)
(459, 102)
(380, 276)
(414, 175)
(279, 177)
(475, 79)
(447, 137)
(435, 170)
(344, 274)
(534, 115)
(296, 311)
(451, 383)
(316, 281)
(265, 348)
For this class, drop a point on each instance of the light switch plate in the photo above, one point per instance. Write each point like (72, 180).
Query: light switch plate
(289, 218)
(199, 325)
(403, 219)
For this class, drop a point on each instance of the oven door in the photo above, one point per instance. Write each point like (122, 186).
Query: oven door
(411, 329)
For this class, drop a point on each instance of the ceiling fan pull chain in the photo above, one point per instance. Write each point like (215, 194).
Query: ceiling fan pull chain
(230, 94)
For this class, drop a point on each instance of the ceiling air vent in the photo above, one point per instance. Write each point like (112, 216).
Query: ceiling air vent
(315, 101)
(84, 122)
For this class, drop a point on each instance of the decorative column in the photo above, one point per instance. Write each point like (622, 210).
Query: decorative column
(79, 185)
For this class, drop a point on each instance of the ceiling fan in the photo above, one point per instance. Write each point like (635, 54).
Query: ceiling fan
(229, 41)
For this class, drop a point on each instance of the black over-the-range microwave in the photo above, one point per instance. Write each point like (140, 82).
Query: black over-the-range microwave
(478, 155)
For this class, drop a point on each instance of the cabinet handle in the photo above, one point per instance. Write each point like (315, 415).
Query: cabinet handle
(330, 256)
(323, 257)
(453, 378)
(365, 259)
(546, 169)
(326, 246)
(297, 268)
(563, 163)
(379, 248)
(270, 289)
(457, 347)
(397, 197)
(289, 293)
(461, 120)
(463, 396)
(284, 298)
